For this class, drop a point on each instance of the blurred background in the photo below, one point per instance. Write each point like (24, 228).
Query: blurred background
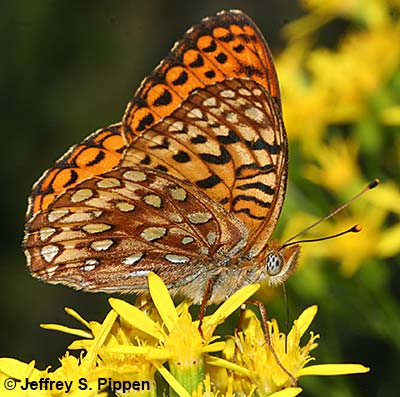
(70, 67)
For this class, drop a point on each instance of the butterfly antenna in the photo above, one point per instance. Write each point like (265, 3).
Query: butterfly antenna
(354, 229)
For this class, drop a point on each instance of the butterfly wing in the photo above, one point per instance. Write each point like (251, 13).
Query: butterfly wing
(228, 139)
(108, 232)
(227, 45)
(216, 132)
(98, 153)
(236, 149)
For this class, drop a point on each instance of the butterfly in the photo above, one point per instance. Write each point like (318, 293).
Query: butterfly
(189, 185)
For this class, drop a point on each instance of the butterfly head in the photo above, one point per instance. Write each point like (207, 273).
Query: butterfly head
(280, 262)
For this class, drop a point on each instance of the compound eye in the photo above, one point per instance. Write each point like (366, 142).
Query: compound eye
(274, 264)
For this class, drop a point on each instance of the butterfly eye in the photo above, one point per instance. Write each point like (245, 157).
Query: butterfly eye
(274, 264)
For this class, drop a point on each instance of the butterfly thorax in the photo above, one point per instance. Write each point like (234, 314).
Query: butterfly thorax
(273, 265)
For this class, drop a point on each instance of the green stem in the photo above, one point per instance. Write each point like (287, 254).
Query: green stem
(189, 376)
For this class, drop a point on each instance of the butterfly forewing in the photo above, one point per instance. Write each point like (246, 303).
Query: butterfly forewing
(99, 152)
(107, 233)
(228, 140)
(227, 45)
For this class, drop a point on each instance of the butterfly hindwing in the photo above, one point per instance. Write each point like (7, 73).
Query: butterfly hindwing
(125, 223)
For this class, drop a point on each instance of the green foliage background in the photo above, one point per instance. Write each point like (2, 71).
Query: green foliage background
(69, 67)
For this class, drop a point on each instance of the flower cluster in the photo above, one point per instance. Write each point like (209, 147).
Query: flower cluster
(159, 338)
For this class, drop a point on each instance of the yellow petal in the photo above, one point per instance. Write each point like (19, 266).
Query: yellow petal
(391, 115)
(77, 316)
(289, 392)
(151, 353)
(17, 369)
(306, 318)
(220, 362)
(332, 369)
(67, 330)
(213, 347)
(99, 340)
(162, 301)
(389, 242)
(230, 305)
(80, 344)
(136, 318)
(31, 370)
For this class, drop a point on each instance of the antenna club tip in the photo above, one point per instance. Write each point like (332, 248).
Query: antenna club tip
(374, 183)
(356, 229)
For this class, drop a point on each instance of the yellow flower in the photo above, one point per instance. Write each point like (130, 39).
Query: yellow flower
(71, 378)
(391, 115)
(132, 344)
(363, 62)
(337, 167)
(302, 103)
(100, 362)
(179, 340)
(321, 86)
(372, 13)
(253, 354)
(371, 242)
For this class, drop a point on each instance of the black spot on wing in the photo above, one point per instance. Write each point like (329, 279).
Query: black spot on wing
(223, 158)
(227, 38)
(72, 178)
(210, 74)
(239, 48)
(164, 99)
(248, 213)
(145, 122)
(243, 197)
(209, 182)
(198, 62)
(198, 139)
(244, 37)
(161, 168)
(99, 157)
(181, 157)
(232, 137)
(211, 47)
(163, 145)
(182, 79)
(146, 160)
(221, 58)
(262, 169)
(250, 71)
(259, 186)
(260, 144)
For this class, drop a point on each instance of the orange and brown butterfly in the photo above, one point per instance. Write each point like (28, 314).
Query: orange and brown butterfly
(190, 185)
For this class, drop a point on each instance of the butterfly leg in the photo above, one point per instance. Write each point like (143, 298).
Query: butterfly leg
(264, 316)
(206, 298)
